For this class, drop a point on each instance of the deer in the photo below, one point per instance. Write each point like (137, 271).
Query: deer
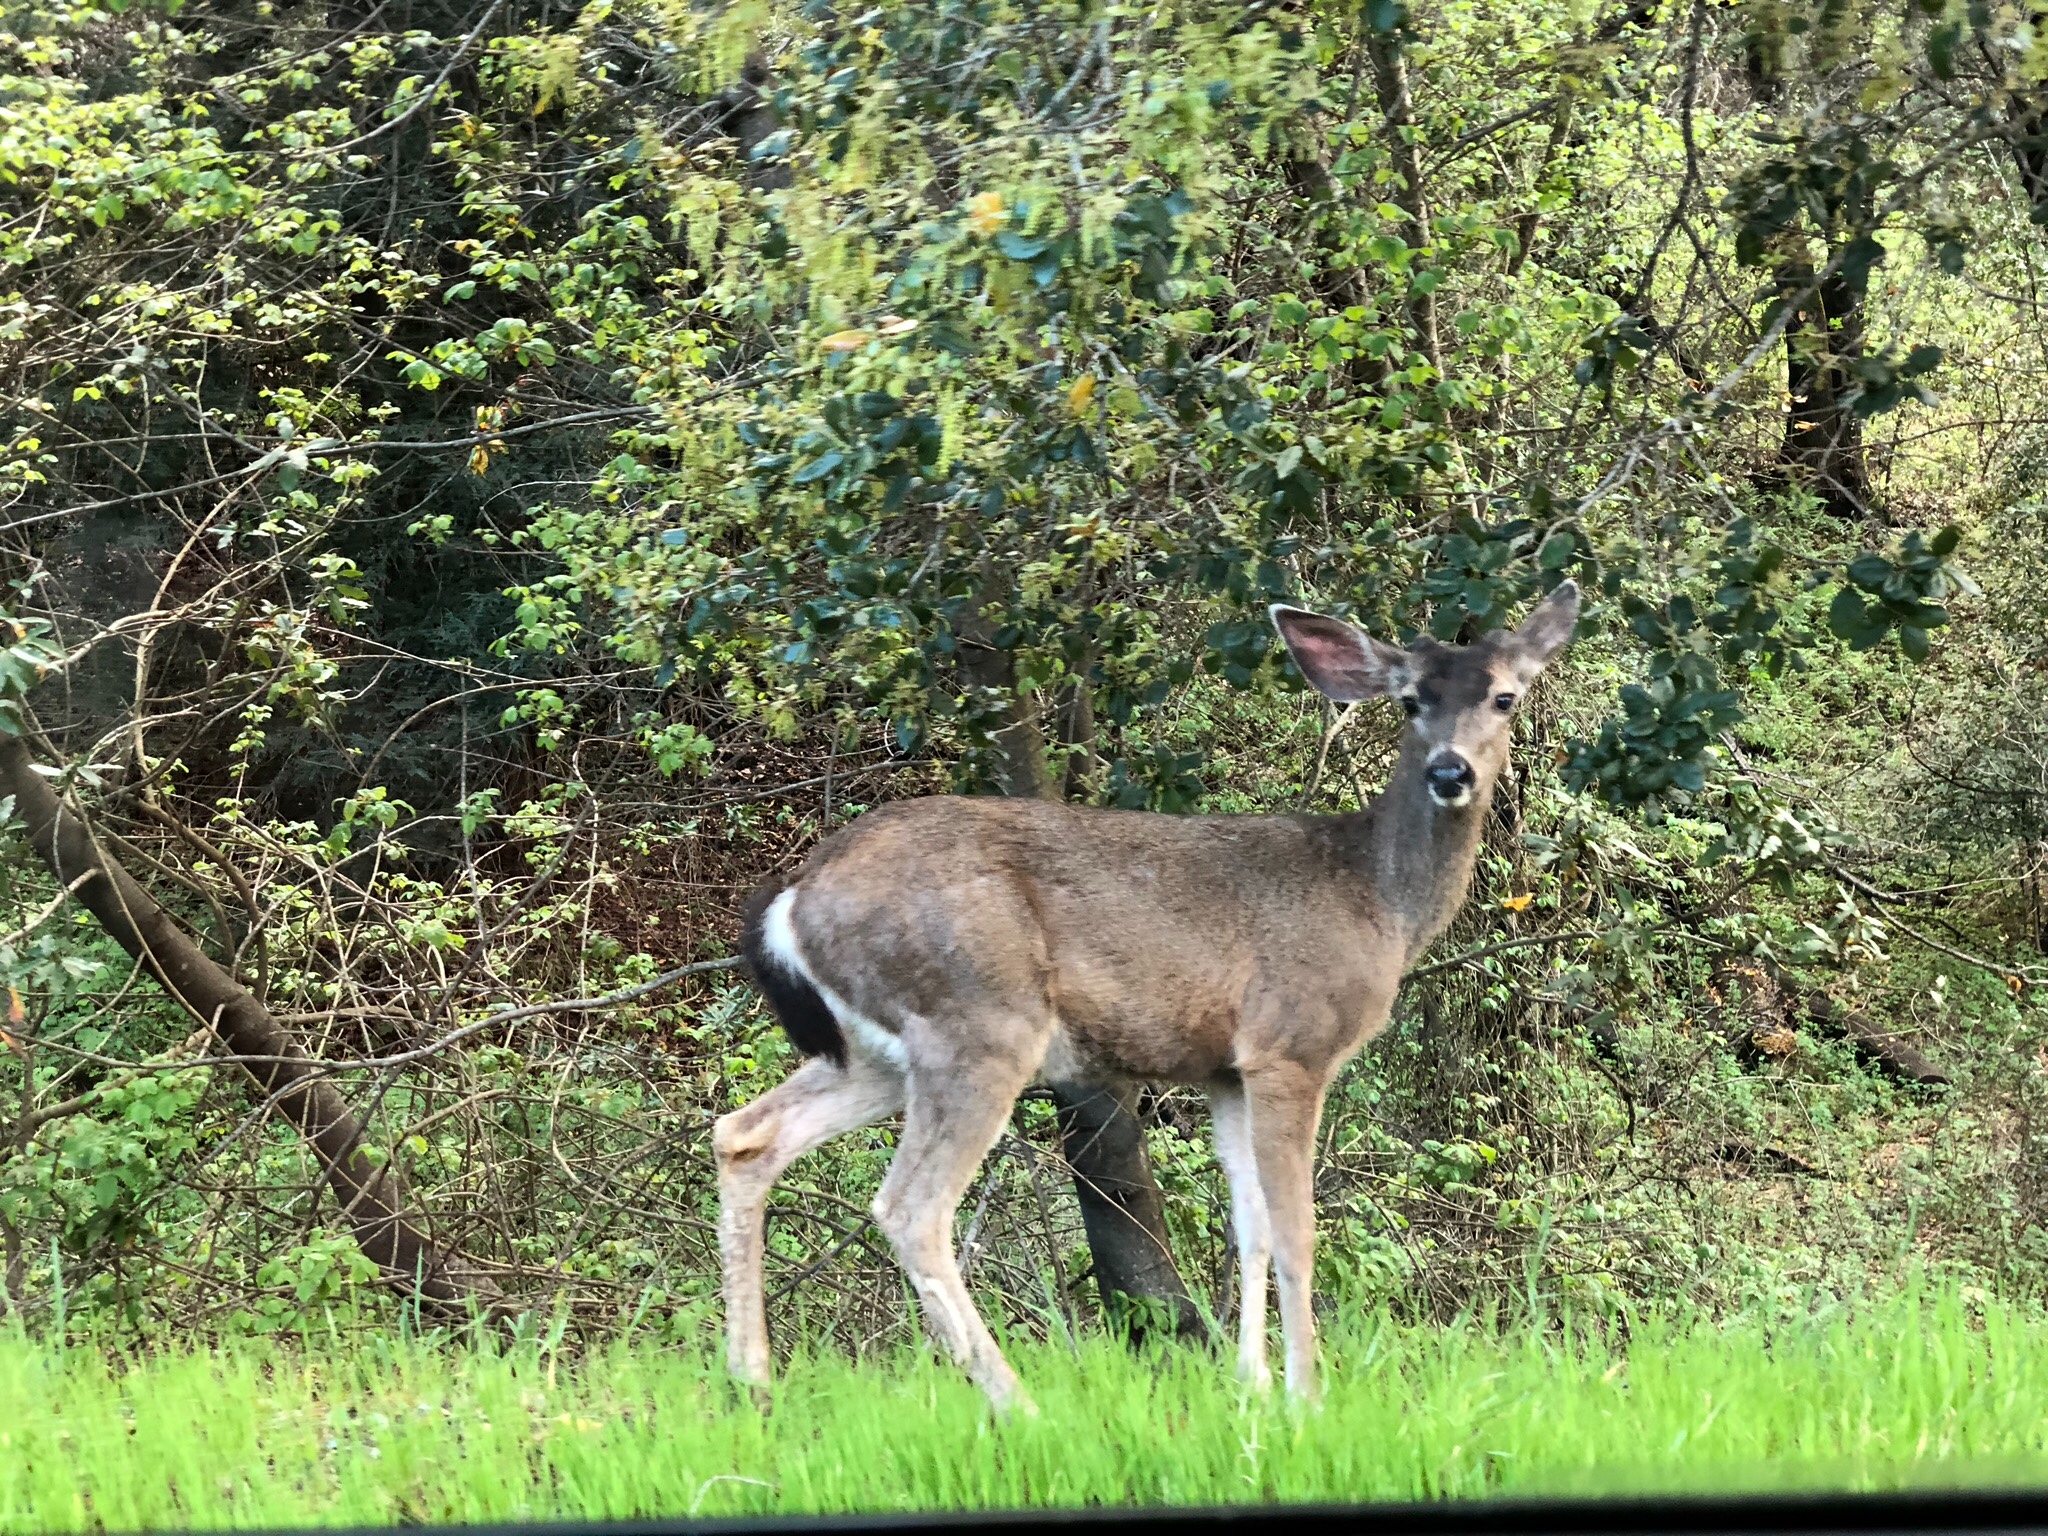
(936, 956)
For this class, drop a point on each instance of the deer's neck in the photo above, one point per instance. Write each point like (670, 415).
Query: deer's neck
(1419, 854)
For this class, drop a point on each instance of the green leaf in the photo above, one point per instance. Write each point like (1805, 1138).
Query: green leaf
(949, 338)
(1941, 49)
(1022, 247)
(1860, 255)
(1846, 614)
(818, 468)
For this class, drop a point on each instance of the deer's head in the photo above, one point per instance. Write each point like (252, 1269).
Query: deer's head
(1459, 699)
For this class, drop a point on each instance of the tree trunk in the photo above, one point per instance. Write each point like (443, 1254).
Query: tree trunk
(372, 1197)
(1763, 48)
(1338, 286)
(1773, 1003)
(1017, 750)
(2030, 153)
(1100, 1137)
(1531, 219)
(1397, 111)
(1823, 448)
(1123, 1209)
(1077, 738)
(2027, 124)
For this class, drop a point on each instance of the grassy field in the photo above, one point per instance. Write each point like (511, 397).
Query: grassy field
(1915, 1391)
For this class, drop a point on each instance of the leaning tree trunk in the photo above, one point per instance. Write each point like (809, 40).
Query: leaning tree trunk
(372, 1197)
(1122, 1207)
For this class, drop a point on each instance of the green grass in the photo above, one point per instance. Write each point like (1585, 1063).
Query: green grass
(1916, 1391)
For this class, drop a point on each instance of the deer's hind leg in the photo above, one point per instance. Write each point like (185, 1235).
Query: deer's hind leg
(957, 1107)
(815, 1103)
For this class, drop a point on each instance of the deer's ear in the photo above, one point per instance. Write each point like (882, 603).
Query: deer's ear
(1548, 629)
(1341, 661)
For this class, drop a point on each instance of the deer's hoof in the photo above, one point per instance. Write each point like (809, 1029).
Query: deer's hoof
(755, 1385)
(1009, 1400)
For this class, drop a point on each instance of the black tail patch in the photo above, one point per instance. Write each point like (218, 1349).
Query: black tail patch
(806, 1018)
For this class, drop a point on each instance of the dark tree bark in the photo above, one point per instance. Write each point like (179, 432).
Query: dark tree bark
(1883, 1049)
(1823, 448)
(372, 1197)
(1762, 62)
(1122, 1206)
(1077, 733)
(746, 114)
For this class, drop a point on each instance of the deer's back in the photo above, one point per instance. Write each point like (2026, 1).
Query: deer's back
(1165, 946)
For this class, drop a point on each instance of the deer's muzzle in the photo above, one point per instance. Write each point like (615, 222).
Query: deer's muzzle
(1450, 779)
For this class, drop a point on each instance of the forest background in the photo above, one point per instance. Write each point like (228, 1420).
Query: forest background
(483, 484)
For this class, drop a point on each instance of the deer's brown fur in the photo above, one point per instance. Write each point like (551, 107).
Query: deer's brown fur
(965, 946)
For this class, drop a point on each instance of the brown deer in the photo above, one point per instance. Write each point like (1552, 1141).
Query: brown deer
(938, 955)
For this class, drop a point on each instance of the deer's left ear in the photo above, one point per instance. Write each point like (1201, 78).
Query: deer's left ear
(1548, 629)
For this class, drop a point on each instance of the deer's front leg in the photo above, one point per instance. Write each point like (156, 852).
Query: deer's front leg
(1236, 1150)
(1285, 1104)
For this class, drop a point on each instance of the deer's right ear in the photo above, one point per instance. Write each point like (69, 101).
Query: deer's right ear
(1340, 661)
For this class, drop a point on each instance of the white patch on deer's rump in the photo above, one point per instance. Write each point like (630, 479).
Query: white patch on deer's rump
(863, 1034)
(778, 936)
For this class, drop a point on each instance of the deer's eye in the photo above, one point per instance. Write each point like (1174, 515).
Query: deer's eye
(1411, 705)
(1503, 702)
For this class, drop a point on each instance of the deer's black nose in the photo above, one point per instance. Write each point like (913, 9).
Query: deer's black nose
(1450, 778)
